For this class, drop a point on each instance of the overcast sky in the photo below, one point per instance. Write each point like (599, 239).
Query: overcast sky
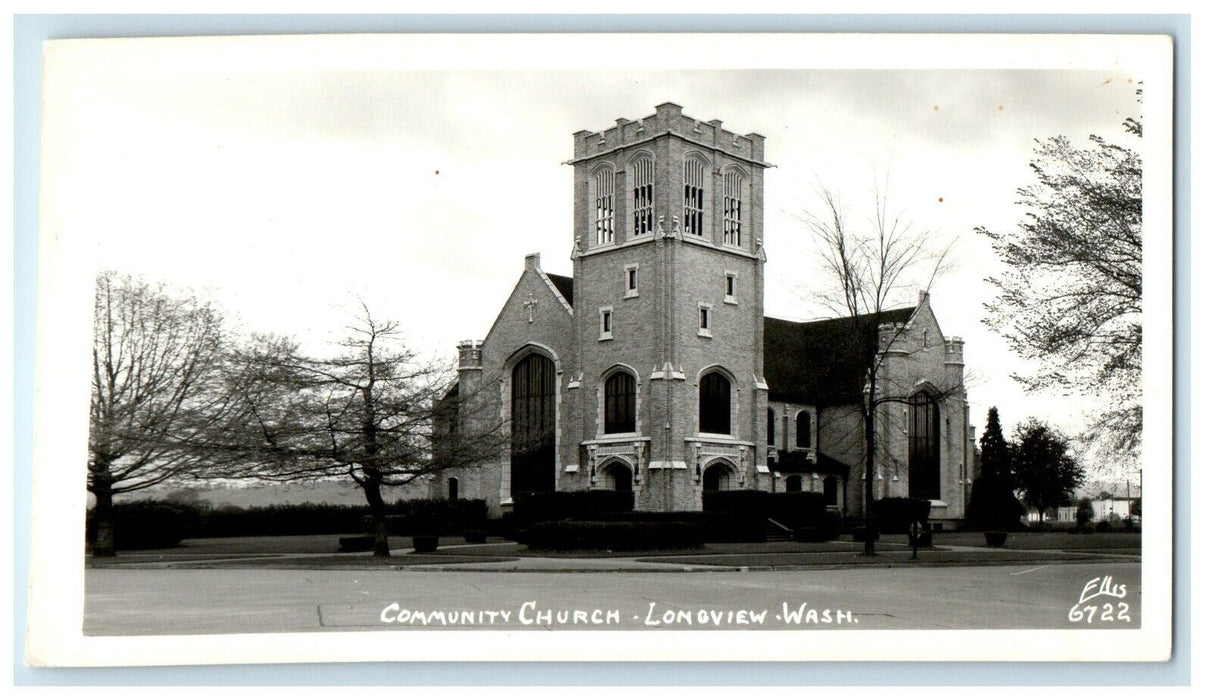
(285, 183)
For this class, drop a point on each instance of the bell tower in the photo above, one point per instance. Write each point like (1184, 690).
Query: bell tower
(668, 267)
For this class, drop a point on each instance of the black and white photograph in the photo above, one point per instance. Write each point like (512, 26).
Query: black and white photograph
(604, 347)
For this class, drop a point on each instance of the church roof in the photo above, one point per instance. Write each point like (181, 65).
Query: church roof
(563, 284)
(820, 362)
(794, 462)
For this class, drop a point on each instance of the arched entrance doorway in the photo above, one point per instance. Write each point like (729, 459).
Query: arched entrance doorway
(616, 476)
(719, 476)
(533, 426)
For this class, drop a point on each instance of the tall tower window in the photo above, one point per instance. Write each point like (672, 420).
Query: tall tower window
(923, 447)
(620, 403)
(642, 175)
(732, 207)
(715, 404)
(603, 202)
(770, 426)
(692, 199)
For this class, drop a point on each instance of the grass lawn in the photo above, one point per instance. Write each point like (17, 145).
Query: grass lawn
(884, 557)
(1064, 541)
(320, 551)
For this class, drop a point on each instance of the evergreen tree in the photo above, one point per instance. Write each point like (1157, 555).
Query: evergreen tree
(995, 454)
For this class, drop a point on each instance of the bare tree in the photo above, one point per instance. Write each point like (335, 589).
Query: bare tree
(868, 269)
(1070, 298)
(373, 412)
(157, 391)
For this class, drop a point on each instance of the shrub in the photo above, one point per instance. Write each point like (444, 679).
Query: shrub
(747, 503)
(992, 506)
(425, 543)
(803, 509)
(149, 524)
(531, 508)
(895, 515)
(475, 536)
(829, 529)
(1085, 514)
(612, 535)
(437, 516)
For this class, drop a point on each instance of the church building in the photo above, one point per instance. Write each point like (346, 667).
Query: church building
(654, 369)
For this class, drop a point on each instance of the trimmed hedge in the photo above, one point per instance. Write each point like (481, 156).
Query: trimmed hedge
(437, 516)
(299, 519)
(140, 524)
(549, 506)
(740, 516)
(612, 535)
(829, 529)
(149, 524)
(895, 515)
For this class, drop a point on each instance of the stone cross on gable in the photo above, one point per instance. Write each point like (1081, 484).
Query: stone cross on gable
(530, 304)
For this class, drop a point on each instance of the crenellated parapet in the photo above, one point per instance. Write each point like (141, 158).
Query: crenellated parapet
(471, 355)
(669, 120)
(953, 350)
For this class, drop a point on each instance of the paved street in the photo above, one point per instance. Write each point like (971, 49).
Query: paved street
(206, 601)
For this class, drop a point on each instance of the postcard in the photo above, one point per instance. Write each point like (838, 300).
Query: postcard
(604, 347)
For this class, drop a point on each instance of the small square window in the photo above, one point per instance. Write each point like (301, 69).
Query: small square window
(606, 324)
(729, 287)
(631, 281)
(705, 320)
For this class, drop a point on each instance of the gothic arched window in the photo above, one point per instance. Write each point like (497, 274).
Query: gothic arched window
(831, 490)
(769, 426)
(533, 418)
(715, 404)
(603, 203)
(693, 199)
(803, 429)
(733, 187)
(924, 481)
(620, 403)
(643, 173)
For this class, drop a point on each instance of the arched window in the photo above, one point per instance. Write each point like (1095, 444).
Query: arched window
(794, 484)
(715, 404)
(603, 203)
(532, 455)
(769, 426)
(831, 490)
(693, 197)
(733, 184)
(642, 176)
(924, 479)
(452, 489)
(620, 403)
(803, 429)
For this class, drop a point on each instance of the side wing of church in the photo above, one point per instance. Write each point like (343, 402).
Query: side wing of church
(654, 369)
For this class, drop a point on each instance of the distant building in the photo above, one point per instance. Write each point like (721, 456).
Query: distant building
(654, 368)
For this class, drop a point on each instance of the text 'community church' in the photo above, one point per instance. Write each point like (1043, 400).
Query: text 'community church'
(654, 369)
